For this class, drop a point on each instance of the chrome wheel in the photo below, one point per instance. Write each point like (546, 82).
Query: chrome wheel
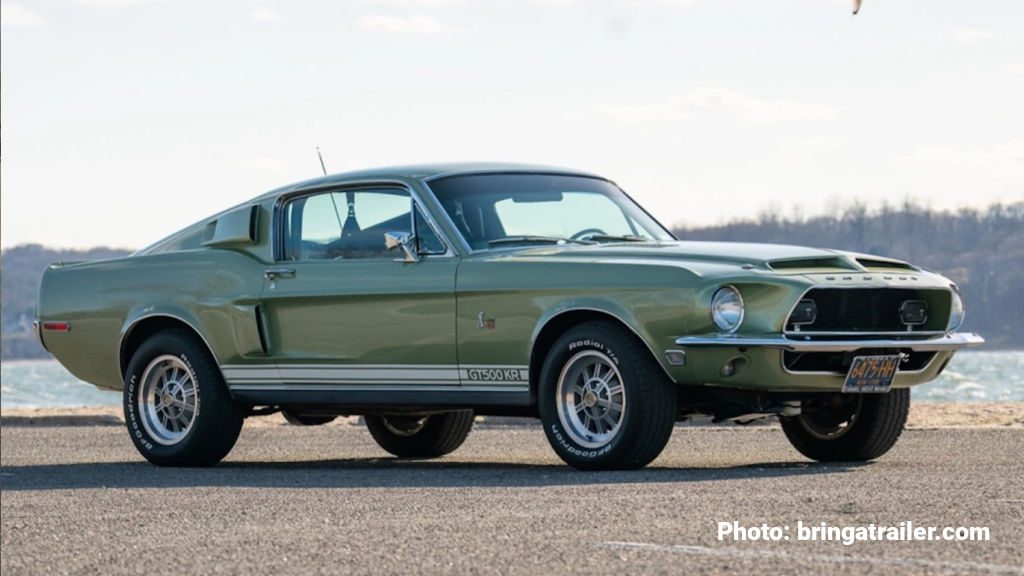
(167, 399)
(404, 425)
(591, 400)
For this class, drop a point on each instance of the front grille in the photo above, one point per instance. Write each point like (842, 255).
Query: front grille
(839, 362)
(871, 310)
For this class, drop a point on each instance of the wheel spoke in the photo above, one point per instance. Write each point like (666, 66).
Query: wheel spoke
(608, 378)
(612, 422)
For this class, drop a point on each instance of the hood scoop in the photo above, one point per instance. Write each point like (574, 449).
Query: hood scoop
(805, 264)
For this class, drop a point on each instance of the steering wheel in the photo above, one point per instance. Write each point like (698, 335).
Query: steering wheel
(582, 234)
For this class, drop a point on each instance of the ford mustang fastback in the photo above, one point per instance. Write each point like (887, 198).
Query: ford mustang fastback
(419, 297)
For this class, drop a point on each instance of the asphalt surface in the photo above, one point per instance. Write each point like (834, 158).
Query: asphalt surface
(326, 500)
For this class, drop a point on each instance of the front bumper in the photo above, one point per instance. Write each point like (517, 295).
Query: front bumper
(946, 343)
(758, 362)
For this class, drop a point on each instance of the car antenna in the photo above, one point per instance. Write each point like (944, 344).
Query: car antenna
(337, 215)
(321, 157)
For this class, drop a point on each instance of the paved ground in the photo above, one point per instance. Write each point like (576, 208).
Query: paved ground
(308, 500)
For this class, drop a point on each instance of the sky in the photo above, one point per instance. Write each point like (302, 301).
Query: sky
(126, 120)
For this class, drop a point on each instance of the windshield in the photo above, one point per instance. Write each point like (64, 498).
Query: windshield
(502, 210)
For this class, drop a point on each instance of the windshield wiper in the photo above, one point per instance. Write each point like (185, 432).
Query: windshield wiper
(542, 239)
(616, 238)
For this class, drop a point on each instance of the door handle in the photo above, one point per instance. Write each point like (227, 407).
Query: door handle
(275, 273)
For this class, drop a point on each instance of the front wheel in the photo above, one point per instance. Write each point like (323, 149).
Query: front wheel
(604, 402)
(848, 427)
(420, 436)
(176, 407)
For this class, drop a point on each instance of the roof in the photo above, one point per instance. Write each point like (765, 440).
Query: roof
(422, 172)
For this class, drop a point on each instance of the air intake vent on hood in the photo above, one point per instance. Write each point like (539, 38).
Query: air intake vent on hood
(890, 264)
(812, 264)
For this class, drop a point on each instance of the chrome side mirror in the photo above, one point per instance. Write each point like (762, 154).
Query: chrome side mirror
(406, 242)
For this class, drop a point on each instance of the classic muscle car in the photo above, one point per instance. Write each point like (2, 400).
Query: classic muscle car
(420, 296)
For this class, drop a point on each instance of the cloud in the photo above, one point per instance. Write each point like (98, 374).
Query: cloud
(412, 3)
(114, 2)
(264, 15)
(265, 164)
(14, 15)
(1011, 151)
(1017, 69)
(630, 3)
(718, 101)
(412, 24)
(974, 35)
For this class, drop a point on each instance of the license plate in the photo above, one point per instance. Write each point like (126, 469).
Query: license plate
(871, 373)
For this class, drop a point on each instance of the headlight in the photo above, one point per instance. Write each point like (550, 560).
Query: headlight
(956, 312)
(727, 309)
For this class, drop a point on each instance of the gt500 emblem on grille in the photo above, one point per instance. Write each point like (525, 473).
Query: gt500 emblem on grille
(494, 374)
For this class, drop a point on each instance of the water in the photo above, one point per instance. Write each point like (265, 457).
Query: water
(972, 376)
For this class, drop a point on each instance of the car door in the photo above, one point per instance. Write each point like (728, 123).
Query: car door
(342, 312)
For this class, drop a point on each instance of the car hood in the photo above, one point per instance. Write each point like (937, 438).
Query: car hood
(776, 257)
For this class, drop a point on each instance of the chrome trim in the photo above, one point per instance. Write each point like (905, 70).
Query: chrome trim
(809, 335)
(743, 309)
(416, 200)
(403, 240)
(37, 327)
(942, 343)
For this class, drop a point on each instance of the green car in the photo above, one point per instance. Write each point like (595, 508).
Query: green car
(421, 296)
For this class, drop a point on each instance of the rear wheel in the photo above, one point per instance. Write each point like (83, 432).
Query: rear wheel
(604, 402)
(176, 406)
(848, 428)
(419, 436)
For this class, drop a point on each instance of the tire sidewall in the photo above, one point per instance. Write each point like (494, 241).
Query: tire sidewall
(160, 345)
(574, 342)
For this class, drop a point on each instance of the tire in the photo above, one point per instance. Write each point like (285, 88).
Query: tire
(621, 427)
(411, 436)
(175, 365)
(854, 428)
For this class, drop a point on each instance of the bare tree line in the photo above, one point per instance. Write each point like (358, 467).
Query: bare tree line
(981, 250)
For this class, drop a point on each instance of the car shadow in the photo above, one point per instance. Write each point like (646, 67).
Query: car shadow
(376, 473)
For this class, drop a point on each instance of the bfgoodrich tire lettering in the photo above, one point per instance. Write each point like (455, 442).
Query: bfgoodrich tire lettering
(637, 386)
(200, 439)
(874, 424)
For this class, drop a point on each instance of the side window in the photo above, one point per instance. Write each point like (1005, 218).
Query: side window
(427, 241)
(344, 225)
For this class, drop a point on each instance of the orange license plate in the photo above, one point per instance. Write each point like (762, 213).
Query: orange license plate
(871, 374)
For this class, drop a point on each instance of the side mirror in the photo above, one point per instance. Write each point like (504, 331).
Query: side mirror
(406, 242)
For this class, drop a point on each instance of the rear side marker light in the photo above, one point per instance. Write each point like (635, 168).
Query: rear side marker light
(57, 326)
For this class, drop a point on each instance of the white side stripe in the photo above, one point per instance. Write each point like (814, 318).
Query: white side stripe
(374, 376)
